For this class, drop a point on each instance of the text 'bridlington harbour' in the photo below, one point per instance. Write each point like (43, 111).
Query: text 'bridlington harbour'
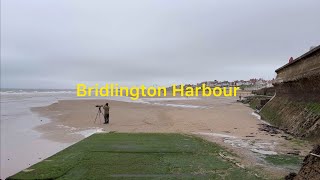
(135, 92)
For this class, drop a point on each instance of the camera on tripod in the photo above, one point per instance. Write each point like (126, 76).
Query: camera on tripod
(98, 114)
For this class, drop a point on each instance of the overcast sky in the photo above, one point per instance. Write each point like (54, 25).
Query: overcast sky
(58, 43)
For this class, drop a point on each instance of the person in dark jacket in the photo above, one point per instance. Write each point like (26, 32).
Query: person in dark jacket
(106, 113)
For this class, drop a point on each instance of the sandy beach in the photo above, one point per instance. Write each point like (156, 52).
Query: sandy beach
(218, 119)
(184, 116)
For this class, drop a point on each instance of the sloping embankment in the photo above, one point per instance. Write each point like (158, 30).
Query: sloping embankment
(295, 117)
(296, 105)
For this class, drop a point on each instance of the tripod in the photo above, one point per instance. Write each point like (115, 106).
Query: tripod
(98, 114)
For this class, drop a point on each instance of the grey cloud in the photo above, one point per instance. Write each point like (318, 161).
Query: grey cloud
(62, 42)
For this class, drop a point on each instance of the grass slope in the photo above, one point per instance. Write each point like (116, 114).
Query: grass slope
(285, 160)
(137, 156)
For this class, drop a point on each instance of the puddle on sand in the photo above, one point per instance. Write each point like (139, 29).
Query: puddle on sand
(216, 135)
(259, 118)
(257, 146)
(264, 152)
(68, 128)
(180, 105)
(84, 132)
(163, 102)
(89, 132)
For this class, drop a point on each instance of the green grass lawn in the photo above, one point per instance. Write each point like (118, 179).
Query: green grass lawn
(137, 156)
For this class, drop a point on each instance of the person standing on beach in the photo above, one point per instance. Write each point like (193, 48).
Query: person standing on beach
(106, 113)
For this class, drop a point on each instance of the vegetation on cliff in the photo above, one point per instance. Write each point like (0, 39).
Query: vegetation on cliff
(295, 117)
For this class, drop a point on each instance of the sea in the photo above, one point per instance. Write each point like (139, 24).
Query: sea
(21, 146)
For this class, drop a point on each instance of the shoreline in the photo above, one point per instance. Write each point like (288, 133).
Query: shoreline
(17, 123)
